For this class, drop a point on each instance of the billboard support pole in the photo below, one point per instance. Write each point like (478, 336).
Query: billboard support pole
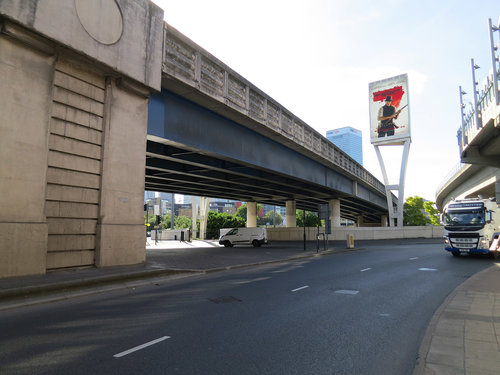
(402, 177)
(398, 213)
(388, 191)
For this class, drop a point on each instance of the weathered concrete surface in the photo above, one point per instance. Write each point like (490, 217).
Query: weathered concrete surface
(76, 77)
(125, 35)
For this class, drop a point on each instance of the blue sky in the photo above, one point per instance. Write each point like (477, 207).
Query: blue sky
(317, 57)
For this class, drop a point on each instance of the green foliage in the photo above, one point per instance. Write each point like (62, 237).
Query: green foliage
(432, 212)
(242, 212)
(415, 210)
(180, 222)
(312, 219)
(269, 218)
(218, 220)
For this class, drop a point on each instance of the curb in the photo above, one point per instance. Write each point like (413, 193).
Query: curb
(421, 362)
(45, 293)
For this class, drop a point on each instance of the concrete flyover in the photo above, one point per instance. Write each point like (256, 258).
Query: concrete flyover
(479, 145)
(75, 136)
(212, 133)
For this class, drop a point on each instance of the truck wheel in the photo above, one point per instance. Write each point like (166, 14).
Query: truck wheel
(455, 253)
(227, 244)
(255, 243)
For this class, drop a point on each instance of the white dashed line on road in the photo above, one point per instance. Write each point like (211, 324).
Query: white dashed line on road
(414, 258)
(365, 269)
(302, 287)
(346, 291)
(427, 269)
(141, 347)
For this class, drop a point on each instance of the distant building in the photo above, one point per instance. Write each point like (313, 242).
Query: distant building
(348, 140)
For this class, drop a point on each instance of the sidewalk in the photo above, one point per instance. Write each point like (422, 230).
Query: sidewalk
(463, 337)
(464, 334)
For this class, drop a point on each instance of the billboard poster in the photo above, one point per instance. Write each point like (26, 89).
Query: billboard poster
(389, 111)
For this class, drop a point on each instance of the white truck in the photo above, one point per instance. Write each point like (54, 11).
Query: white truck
(471, 226)
(243, 236)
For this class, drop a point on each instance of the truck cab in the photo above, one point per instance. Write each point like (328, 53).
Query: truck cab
(469, 226)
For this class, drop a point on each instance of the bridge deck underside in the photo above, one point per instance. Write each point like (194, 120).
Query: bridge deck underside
(183, 171)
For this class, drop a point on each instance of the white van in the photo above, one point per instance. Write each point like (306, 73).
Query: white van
(244, 236)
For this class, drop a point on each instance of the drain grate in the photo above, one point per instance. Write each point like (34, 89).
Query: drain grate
(224, 299)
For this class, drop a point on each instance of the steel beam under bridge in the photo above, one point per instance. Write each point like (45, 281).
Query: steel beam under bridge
(194, 151)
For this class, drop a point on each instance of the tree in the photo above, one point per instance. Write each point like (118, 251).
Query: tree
(242, 211)
(414, 212)
(269, 218)
(216, 221)
(432, 212)
(180, 222)
(312, 219)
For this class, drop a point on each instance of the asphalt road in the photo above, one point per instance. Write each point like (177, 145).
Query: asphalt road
(362, 312)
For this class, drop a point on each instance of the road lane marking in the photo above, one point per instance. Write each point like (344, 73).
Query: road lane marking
(414, 258)
(365, 269)
(141, 347)
(302, 287)
(346, 291)
(427, 269)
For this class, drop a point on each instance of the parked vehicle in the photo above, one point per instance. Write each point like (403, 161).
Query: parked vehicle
(471, 226)
(244, 236)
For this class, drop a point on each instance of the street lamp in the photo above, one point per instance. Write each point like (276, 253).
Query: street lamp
(494, 60)
(462, 106)
(474, 85)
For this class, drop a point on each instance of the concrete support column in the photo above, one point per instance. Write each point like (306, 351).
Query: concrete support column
(120, 226)
(334, 212)
(251, 214)
(291, 218)
(383, 221)
(24, 129)
(204, 206)
(360, 221)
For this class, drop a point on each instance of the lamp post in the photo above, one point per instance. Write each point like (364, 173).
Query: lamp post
(462, 106)
(494, 60)
(474, 86)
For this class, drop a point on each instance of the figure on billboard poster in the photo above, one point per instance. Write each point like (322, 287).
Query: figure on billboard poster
(389, 117)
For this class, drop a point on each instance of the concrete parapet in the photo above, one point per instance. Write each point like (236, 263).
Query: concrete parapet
(367, 233)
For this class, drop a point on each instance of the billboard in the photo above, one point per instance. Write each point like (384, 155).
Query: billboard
(389, 110)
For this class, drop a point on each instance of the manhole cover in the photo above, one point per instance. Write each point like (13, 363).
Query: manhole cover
(224, 299)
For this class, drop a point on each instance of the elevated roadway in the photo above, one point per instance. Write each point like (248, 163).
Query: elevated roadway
(478, 141)
(212, 133)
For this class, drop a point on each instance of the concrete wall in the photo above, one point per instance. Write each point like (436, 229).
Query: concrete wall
(76, 77)
(340, 233)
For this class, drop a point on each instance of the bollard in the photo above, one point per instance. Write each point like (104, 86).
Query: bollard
(350, 241)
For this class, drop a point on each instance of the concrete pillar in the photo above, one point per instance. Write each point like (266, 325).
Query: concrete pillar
(204, 205)
(194, 217)
(26, 76)
(334, 212)
(120, 225)
(291, 218)
(383, 221)
(251, 214)
(360, 221)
